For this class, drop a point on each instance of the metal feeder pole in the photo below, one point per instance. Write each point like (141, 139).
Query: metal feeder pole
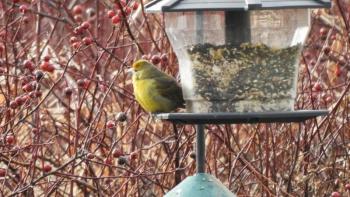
(203, 184)
(200, 140)
(200, 149)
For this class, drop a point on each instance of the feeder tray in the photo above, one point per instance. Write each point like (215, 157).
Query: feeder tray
(236, 118)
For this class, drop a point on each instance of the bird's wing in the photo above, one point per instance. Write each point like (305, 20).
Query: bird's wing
(169, 88)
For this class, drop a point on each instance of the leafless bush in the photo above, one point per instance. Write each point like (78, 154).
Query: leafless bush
(69, 124)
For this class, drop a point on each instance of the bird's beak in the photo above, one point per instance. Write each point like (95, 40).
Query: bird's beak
(130, 72)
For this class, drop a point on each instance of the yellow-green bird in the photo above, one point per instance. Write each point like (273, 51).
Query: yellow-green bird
(154, 90)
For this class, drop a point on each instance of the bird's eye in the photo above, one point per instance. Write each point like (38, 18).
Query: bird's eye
(137, 67)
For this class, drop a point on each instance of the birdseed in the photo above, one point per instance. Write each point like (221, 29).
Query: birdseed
(245, 78)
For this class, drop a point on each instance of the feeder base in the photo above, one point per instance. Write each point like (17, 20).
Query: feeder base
(201, 184)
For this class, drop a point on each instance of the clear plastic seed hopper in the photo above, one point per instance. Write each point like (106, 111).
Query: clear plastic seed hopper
(241, 61)
(235, 56)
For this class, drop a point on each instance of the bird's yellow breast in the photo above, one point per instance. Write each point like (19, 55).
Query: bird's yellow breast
(149, 98)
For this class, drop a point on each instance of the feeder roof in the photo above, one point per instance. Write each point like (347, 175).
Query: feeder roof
(226, 5)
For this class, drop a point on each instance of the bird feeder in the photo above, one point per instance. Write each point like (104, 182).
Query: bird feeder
(237, 55)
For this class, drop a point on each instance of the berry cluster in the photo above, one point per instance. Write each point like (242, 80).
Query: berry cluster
(156, 59)
(81, 32)
(30, 87)
(116, 14)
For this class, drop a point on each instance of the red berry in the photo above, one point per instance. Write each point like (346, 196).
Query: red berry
(76, 45)
(313, 62)
(120, 14)
(135, 6)
(108, 161)
(32, 94)
(78, 9)
(24, 80)
(35, 94)
(28, 65)
(28, 87)
(47, 58)
(68, 91)
(118, 153)
(110, 124)
(10, 139)
(110, 14)
(155, 59)
(86, 25)
(25, 98)
(327, 49)
(87, 40)
(73, 39)
(103, 87)
(347, 186)
(25, 19)
(164, 58)
(47, 168)
(13, 104)
(2, 70)
(127, 10)
(328, 99)
(90, 156)
(317, 87)
(35, 131)
(15, 1)
(23, 8)
(335, 194)
(323, 31)
(342, 60)
(123, 2)
(46, 66)
(83, 83)
(334, 37)
(19, 100)
(38, 94)
(115, 19)
(2, 172)
(133, 155)
(78, 30)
